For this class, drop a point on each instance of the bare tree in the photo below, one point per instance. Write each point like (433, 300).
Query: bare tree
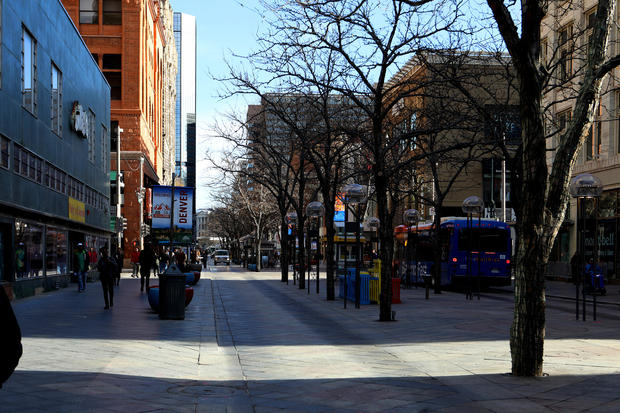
(369, 41)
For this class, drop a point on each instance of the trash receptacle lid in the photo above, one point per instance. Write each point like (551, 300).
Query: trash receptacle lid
(173, 270)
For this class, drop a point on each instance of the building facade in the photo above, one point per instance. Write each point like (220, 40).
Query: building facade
(458, 147)
(128, 40)
(185, 147)
(564, 46)
(54, 140)
(169, 97)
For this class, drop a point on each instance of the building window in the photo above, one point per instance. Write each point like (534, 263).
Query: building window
(565, 45)
(27, 164)
(105, 151)
(55, 179)
(29, 71)
(56, 110)
(29, 251)
(543, 52)
(112, 61)
(55, 251)
(91, 136)
(114, 79)
(89, 11)
(75, 189)
(561, 122)
(563, 118)
(593, 141)
(112, 12)
(4, 152)
(113, 136)
(95, 58)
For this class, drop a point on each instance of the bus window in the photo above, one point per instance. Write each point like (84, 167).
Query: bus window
(485, 239)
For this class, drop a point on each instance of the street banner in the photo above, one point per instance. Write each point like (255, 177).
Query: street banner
(339, 208)
(183, 203)
(181, 215)
(161, 207)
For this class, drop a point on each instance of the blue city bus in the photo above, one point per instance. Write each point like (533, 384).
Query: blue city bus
(484, 251)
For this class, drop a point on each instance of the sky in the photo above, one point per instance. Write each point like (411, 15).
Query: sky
(223, 27)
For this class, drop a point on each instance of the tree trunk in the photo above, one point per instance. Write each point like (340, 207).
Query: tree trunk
(527, 333)
(329, 252)
(302, 250)
(386, 249)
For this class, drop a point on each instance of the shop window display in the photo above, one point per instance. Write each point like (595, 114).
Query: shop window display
(55, 251)
(29, 249)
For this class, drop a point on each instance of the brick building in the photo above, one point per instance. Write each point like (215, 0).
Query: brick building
(131, 42)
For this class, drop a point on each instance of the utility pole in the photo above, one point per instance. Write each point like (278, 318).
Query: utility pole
(141, 201)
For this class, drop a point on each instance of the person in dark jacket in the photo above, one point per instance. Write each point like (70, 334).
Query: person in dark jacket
(147, 263)
(11, 342)
(118, 257)
(107, 272)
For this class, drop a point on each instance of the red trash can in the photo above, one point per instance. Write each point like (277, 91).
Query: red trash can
(396, 290)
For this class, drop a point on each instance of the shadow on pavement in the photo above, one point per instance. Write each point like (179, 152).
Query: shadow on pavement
(37, 391)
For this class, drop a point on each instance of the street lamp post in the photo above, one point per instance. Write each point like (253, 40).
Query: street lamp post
(118, 185)
(582, 187)
(140, 195)
(291, 219)
(314, 210)
(472, 205)
(355, 194)
(411, 216)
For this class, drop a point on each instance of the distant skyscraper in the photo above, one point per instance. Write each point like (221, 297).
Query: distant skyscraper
(185, 39)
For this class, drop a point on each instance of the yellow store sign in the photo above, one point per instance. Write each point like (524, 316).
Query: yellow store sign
(77, 210)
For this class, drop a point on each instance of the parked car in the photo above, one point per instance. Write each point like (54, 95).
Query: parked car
(221, 256)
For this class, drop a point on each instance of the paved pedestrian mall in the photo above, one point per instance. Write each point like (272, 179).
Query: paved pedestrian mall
(250, 343)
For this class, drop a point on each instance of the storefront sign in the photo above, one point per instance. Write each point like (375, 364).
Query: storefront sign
(77, 210)
(79, 120)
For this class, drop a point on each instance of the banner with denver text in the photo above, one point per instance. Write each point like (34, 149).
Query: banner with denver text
(182, 208)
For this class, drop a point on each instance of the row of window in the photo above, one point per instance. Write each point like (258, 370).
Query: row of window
(34, 168)
(566, 41)
(111, 12)
(29, 95)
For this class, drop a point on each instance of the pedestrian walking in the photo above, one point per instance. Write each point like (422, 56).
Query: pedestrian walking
(107, 267)
(135, 262)
(118, 257)
(180, 258)
(147, 263)
(92, 257)
(164, 259)
(80, 266)
(11, 342)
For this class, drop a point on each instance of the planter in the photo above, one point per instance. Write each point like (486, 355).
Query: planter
(153, 296)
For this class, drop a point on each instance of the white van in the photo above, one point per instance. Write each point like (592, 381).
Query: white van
(221, 256)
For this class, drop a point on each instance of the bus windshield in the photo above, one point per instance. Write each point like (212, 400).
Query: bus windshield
(483, 239)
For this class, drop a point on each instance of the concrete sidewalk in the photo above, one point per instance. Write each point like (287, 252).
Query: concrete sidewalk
(250, 343)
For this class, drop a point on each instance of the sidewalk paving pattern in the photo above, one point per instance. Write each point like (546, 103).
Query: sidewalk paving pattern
(250, 343)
